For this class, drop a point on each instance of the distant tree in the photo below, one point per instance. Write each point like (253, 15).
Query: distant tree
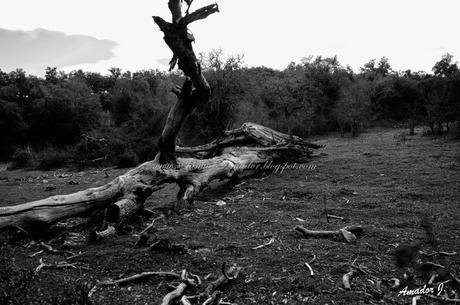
(412, 99)
(65, 111)
(373, 70)
(323, 80)
(225, 75)
(13, 128)
(398, 98)
(115, 72)
(51, 75)
(352, 108)
(442, 95)
(445, 67)
(284, 97)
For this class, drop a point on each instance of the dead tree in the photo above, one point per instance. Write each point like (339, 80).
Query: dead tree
(192, 168)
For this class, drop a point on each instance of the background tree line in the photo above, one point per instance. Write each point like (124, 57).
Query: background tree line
(89, 119)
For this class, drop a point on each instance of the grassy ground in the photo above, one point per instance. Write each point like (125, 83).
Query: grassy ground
(387, 182)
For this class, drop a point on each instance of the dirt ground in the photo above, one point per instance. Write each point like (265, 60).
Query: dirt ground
(395, 186)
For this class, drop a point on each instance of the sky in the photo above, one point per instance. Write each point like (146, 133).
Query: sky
(95, 35)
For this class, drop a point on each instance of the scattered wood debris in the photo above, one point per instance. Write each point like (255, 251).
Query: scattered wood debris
(139, 276)
(270, 242)
(310, 269)
(348, 234)
(58, 265)
(187, 280)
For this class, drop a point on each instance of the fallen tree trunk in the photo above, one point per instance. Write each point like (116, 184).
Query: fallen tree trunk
(126, 194)
(247, 148)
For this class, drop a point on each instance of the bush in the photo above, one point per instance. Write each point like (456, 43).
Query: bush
(13, 129)
(128, 159)
(454, 130)
(52, 158)
(22, 158)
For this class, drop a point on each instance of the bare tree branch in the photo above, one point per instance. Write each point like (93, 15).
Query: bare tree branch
(200, 13)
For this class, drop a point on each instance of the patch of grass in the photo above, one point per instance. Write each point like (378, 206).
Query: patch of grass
(389, 189)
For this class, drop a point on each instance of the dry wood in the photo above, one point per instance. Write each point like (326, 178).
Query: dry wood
(440, 253)
(143, 235)
(335, 217)
(310, 269)
(394, 283)
(58, 265)
(211, 293)
(139, 276)
(188, 280)
(101, 235)
(346, 279)
(348, 234)
(268, 243)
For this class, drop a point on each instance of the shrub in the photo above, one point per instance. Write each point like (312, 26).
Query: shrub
(128, 159)
(13, 128)
(52, 158)
(22, 158)
(454, 130)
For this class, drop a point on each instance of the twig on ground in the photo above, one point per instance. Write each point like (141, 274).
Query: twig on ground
(212, 297)
(139, 276)
(36, 253)
(346, 279)
(56, 266)
(150, 226)
(143, 235)
(355, 270)
(271, 241)
(75, 255)
(188, 280)
(348, 234)
(309, 268)
(50, 249)
(92, 291)
(101, 235)
(394, 283)
(185, 300)
(440, 253)
(335, 217)
(23, 230)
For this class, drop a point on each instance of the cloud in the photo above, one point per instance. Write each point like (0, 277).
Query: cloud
(35, 50)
